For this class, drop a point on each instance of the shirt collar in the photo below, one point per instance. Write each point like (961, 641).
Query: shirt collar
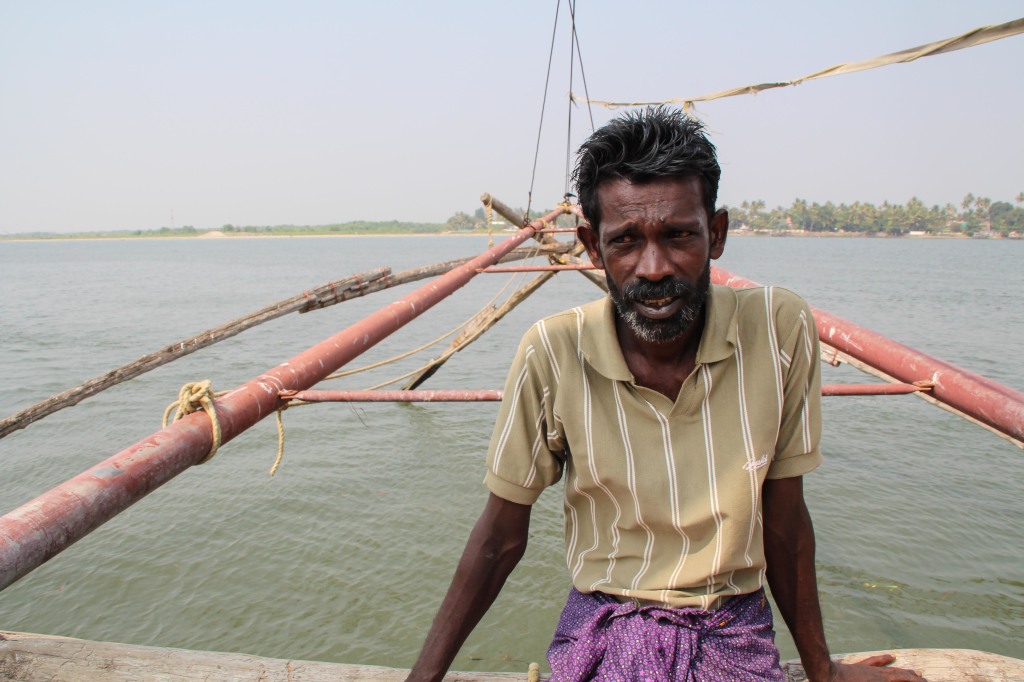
(600, 344)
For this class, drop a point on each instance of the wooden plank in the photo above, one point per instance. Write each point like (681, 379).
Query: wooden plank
(28, 658)
(939, 665)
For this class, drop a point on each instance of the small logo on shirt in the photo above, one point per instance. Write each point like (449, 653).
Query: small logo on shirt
(756, 464)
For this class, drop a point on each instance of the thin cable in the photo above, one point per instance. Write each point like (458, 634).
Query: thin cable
(543, 104)
(583, 74)
(572, 64)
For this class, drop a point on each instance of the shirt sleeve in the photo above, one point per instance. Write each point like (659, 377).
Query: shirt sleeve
(520, 460)
(798, 448)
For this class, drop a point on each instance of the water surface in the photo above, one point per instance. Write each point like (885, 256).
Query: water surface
(346, 553)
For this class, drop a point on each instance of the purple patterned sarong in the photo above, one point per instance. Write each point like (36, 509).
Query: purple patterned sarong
(600, 639)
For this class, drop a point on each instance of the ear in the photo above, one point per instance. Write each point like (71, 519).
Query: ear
(718, 230)
(592, 241)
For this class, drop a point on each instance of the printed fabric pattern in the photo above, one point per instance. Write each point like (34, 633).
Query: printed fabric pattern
(599, 638)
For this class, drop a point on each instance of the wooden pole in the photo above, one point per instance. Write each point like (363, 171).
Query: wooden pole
(490, 317)
(475, 330)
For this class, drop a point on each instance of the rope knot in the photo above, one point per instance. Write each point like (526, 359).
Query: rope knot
(192, 397)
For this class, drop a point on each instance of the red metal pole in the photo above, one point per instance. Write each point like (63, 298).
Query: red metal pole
(870, 389)
(484, 395)
(43, 527)
(538, 268)
(392, 396)
(987, 401)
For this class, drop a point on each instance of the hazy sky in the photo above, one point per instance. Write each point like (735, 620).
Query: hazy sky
(116, 114)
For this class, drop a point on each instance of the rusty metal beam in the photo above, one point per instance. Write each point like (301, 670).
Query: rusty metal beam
(487, 395)
(538, 268)
(392, 396)
(43, 527)
(987, 402)
(871, 389)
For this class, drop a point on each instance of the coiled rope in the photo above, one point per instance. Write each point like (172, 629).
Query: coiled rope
(199, 395)
(192, 397)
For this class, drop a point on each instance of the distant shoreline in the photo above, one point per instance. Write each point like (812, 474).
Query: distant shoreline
(253, 235)
(238, 235)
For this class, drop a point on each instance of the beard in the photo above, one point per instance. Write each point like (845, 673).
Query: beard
(693, 298)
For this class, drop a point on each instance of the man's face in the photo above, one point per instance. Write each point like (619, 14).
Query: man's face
(655, 244)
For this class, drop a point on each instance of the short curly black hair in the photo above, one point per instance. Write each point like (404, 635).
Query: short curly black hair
(642, 145)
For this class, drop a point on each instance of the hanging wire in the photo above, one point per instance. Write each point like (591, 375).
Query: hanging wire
(572, 64)
(574, 52)
(543, 104)
(583, 73)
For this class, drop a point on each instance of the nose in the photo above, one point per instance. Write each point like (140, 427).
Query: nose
(654, 264)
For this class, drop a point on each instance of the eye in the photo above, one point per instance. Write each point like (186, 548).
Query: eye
(623, 239)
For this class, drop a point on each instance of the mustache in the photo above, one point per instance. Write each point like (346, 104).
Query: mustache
(644, 290)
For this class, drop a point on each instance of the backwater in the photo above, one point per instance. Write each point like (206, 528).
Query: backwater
(346, 553)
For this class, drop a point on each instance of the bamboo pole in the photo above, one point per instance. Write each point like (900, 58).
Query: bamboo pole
(476, 328)
(490, 317)
(503, 209)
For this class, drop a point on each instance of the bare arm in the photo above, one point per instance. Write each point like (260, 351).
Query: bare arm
(789, 550)
(495, 546)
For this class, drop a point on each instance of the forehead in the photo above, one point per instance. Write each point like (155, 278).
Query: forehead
(659, 199)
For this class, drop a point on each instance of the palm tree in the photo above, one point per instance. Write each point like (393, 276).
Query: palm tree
(917, 214)
(756, 207)
(984, 206)
(798, 212)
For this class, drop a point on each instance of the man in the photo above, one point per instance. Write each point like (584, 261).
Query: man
(683, 417)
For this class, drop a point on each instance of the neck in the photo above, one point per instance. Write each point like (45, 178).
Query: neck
(661, 366)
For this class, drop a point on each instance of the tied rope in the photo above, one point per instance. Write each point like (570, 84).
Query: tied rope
(192, 397)
(280, 439)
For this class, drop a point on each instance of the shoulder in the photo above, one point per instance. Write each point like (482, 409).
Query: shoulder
(566, 327)
(781, 307)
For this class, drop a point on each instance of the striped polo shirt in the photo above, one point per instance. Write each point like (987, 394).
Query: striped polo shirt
(663, 498)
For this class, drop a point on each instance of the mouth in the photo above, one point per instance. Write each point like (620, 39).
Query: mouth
(658, 308)
(657, 302)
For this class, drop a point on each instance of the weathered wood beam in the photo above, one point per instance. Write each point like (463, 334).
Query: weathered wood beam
(35, 658)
